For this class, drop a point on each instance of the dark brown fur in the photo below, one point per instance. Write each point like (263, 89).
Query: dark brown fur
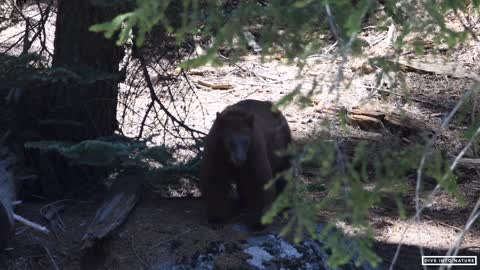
(267, 133)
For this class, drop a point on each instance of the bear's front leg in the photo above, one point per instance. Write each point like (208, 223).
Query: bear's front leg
(251, 188)
(219, 203)
(217, 194)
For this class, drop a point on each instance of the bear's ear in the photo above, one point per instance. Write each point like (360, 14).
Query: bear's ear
(218, 120)
(250, 119)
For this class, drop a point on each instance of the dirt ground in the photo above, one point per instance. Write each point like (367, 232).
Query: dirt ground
(160, 225)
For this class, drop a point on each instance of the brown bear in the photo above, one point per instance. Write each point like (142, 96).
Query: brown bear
(240, 157)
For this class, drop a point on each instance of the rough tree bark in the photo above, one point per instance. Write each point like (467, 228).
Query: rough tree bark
(72, 110)
(76, 48)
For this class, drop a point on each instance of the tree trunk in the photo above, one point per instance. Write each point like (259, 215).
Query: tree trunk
(92, 106)
(72, 109)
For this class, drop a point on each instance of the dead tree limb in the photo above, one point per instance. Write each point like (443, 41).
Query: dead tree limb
(121, 199)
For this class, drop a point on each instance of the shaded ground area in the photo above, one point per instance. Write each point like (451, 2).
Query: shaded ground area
(163, 232)
(160, 234)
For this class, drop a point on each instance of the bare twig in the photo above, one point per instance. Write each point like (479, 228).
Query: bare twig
(15, 203)
(345, 50)
(475, 212)
(142, 125)
(31, 224)
(418, 208)
(50, 257)
(471, 220)
(442, 223)
(400, 95)
(155, 98)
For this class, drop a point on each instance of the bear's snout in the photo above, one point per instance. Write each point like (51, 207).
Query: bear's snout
(238, 147)
(238, 159)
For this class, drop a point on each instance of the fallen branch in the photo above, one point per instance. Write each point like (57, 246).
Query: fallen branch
(435, 66)
(114, 211)
(402, 95)
(216, 86)
(472, 163)
(31, 224)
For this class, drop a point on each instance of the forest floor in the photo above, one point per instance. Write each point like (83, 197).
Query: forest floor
(161, 224)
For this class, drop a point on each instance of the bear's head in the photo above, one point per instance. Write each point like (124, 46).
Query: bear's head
(235, 135)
